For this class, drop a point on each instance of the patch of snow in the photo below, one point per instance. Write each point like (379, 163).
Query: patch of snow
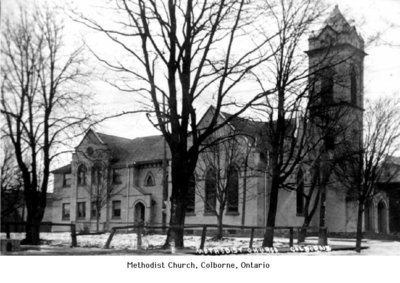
(128, 241)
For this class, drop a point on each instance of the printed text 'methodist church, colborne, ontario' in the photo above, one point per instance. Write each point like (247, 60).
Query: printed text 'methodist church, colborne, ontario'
(136, 172)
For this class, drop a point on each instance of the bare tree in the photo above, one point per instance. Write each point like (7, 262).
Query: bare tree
(329, 125)
(360, 166)
(221, 163)
(304, 98)
(40, 101)
(182, 52)
(11, 183)
(288, 109)
(102, 186)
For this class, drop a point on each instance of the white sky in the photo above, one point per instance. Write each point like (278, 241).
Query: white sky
(381, 74)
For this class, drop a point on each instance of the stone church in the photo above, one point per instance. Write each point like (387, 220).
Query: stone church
(133, 168)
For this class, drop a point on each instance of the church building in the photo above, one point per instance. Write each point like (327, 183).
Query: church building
(114, 181)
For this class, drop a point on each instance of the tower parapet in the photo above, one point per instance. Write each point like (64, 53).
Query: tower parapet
(336, 31)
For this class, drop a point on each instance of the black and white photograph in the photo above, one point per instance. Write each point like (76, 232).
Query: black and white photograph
(200, 134)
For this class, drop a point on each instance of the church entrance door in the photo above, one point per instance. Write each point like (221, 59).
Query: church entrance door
(382, 217)
(139, 213)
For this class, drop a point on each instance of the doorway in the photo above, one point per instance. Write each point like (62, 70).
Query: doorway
(382, 212)
(139, 213)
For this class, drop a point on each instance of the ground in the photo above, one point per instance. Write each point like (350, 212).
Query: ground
(126, 244)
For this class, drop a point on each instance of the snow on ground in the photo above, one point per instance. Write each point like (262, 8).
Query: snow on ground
(128, 241)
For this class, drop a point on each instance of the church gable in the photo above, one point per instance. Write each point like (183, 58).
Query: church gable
(91, 146)
(90, 138)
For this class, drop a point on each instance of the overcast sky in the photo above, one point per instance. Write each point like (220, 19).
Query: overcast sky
(382, 65)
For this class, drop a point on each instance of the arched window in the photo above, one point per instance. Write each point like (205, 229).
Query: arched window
(82, 175)
(353, 85)
(96, 175)
(300, 193)
(149, 180)
(232, 186)
(210, 190)
(327, 88)
(191, 196)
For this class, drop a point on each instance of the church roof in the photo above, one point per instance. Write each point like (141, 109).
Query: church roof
(127, 151)
(258, 129)
(63, 169)
(245, 126)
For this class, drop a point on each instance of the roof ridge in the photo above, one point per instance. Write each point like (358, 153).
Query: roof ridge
(112, 136)
(129, 139)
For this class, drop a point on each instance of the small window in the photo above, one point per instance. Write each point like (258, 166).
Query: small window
(65, 211)
(66, 180)
(149, 180)
(81, 210)
(82, 175)
(89, 151)
(116, 209)
(117, 176)
(93, 210)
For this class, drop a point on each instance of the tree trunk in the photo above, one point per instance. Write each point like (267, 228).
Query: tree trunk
(359, 226)
(34, 219)
(322, 212)
(273, 206)
(177, 221)
(220, 232)
(181, 173)
(309, 214)
(98, 222)
(244, 193)
(303, 231)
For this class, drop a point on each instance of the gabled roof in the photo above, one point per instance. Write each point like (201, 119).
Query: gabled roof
(245, 126)
(63, 169)
(127, 151)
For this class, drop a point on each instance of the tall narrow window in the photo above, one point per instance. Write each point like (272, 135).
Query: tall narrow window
(329, 140)
(96, 175)
(65, 211)
(191, 196)
(232, 187)
(82, 175)
(117, 176)
(93, 210)
(300, 193)
(210, 190)
(66, 180)
(327, 88)
(149, 180)
(353, 85)
(116, 209)
(81, 210)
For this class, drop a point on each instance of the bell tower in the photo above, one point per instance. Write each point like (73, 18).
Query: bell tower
(336, 65)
